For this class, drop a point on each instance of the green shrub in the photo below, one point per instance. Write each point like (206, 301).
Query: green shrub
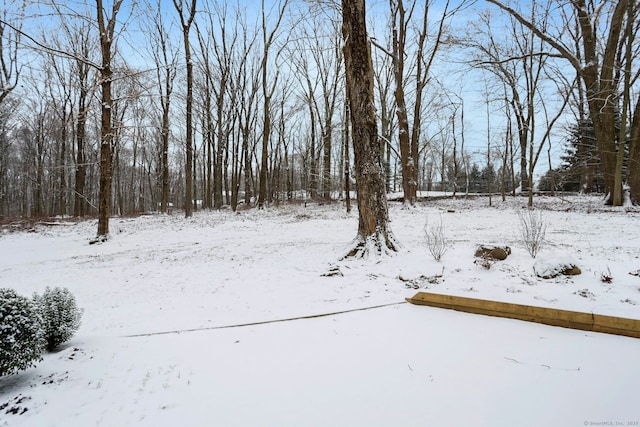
(21, 341)
(59, 315)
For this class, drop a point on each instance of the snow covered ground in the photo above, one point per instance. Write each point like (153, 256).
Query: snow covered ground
(155, 350)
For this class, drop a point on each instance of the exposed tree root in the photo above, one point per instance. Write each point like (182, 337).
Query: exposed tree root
(376, 246)
(99, 239)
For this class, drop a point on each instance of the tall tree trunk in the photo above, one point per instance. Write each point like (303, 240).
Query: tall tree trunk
(248, 171)
(186, 19)
(347, 165)
(39, 168)
(267, 93)
(326, 160)
(62, 195)
(398, 55)
(600, 89)
(634, 156)
(374, 235)
(264, 159)
(236, 170)
(104, 197)
(208, 148)
(313, 170)
(219, 153)
(165, 73)
(164, 204)
(107, 32)
(454, 155)
(626, 89)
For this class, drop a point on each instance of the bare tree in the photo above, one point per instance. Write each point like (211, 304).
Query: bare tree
(7, 154)
(218, 82)
(318, 71)
(522, 63)
(187, 15)
(78, 46)
(409, 136)
(627, 54)
(10, 32)
(85, 92)
(308, 79)
(60, 92)
(595, 66)
(9, 76)
(328, 62)
(634, 156)
(384, 78)
(507, 63)
(106, 28)
(374, 235)
(268, 38)
(247, 88)
(164, 56)
(347, 163)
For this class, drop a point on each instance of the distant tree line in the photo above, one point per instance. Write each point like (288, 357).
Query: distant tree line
(131, 107)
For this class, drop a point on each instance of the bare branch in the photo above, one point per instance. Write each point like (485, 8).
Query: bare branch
(564, 52)
(518, 58)
(49, 49)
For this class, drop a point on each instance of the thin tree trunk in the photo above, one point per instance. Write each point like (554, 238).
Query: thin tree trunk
(326, 161)
(107, 31)
(218, 163)
(313, 171)
(165, 154)
(398, 55)
(186, 22)
(634, 156)
(347, 165)
(267, 93)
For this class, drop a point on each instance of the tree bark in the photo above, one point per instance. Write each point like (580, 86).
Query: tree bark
(81, 123)
(374, 235)
(186, 21)
(313, 172)
(399, 25)
(164, 57)
(634, 156)
(347, 163)
(107, 31)
(618, 195)
(600, 89)
(326, 158)
(267, 93)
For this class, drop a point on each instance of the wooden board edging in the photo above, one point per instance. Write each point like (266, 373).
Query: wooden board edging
(548, 316)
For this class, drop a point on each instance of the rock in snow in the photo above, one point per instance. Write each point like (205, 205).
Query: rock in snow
(553, 264)
(493, 252)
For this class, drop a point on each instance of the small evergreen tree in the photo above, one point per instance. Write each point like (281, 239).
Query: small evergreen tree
(475, 184)
(581, 168)
(21, 340)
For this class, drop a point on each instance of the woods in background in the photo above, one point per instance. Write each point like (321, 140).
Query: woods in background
(132, 107)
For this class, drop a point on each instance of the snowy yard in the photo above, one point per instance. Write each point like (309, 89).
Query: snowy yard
(154, 349)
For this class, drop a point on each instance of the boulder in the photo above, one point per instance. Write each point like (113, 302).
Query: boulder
(493, 252)
(552, 265)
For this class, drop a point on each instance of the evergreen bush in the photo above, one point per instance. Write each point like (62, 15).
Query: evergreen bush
(59, 314)
(21, 341)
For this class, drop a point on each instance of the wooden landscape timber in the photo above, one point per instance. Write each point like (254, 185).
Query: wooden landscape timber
(548, 316)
